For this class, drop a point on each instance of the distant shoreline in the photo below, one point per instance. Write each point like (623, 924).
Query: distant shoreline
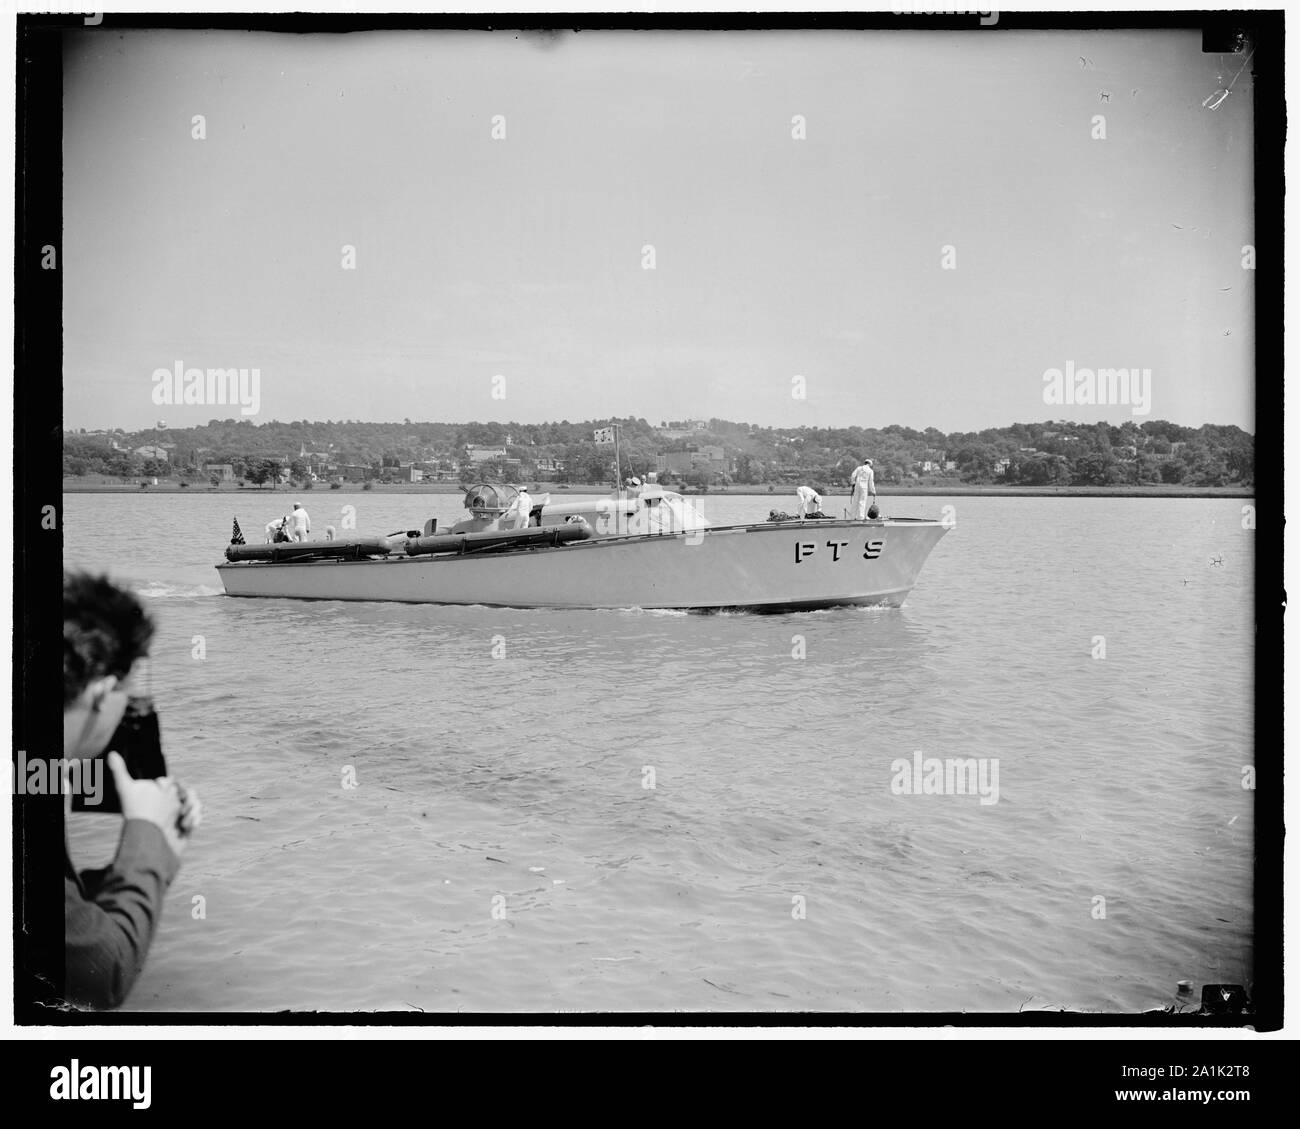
(778, 490)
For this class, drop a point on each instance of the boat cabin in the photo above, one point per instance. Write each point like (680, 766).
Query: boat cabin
(650, 509)
(641, 510)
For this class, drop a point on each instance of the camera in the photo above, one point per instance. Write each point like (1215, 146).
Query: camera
(138, 741)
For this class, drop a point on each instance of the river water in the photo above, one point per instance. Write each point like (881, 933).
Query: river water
(629, 811)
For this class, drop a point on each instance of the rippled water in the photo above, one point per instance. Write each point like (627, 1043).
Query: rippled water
(501, 850)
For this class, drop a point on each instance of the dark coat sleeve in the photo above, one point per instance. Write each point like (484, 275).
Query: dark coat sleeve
(109, 916)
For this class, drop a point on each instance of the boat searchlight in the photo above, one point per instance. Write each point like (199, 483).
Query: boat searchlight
(489, 500)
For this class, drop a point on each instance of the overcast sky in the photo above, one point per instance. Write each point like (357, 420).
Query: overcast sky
(774, 257)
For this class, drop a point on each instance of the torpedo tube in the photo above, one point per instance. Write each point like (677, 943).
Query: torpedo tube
(348, 549)
(498, 540)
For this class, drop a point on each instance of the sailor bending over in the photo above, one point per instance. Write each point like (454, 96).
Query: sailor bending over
(810, 502)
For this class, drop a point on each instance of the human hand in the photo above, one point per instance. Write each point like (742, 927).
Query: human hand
(191, 810)
(155, 801)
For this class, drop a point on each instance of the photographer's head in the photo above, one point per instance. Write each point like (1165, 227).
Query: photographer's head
(106, 631)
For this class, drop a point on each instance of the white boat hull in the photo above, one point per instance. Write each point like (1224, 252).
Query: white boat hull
(768, 567)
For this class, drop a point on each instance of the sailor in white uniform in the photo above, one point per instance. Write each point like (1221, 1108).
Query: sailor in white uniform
(299, 523)
(810, 502)
(524, 507)
(863, 479)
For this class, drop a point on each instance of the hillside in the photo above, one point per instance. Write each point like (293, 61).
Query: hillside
(702, 453)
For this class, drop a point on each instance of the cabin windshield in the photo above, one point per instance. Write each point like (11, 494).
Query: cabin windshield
(666, 512)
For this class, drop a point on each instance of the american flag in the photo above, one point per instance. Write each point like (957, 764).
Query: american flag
(236, 534)
(603, 435)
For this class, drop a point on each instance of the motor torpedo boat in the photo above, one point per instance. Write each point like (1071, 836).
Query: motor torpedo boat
(644, 548)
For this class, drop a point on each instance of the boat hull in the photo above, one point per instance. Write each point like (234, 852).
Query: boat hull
(769, 567)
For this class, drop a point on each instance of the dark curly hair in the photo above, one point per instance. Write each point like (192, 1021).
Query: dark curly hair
(105, 629)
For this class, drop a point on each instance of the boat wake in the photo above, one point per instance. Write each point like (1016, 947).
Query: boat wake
(160, 590)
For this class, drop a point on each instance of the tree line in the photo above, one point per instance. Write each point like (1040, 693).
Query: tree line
(1047, 453)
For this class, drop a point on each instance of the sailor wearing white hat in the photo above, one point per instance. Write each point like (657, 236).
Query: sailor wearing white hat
(863, 480)
(524, 507)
